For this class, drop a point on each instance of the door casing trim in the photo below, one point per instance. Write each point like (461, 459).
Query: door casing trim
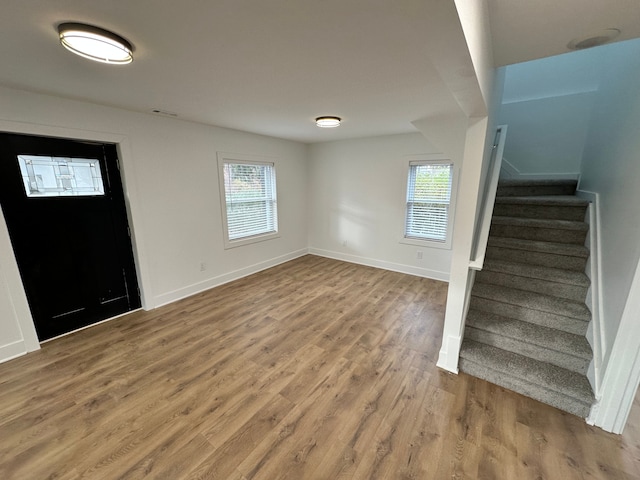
(127, 172)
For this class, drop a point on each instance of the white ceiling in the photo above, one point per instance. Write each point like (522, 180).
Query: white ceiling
(529, 29)
(567, 74)
(271, 66)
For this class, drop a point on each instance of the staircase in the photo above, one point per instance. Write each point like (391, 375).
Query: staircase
(527, 318)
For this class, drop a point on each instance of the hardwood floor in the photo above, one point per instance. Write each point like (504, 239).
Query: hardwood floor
(315, 369)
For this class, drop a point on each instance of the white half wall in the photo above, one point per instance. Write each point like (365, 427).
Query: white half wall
(462, 277)
(171, 180)
(357, 194)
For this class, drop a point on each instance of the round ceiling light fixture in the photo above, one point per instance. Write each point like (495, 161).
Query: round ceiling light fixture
(95, 43)
(594, 39)
(328, 122)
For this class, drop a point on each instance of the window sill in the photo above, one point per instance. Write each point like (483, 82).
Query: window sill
(426, 243)
(249, 240)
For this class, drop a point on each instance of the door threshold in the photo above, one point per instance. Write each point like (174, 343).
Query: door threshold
(89, 326)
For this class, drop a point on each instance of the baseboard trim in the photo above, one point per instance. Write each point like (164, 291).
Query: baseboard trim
(12, 350)
(510, 171)
(371, 262)
(189, 290)
(596, 331)
(507, 169)
(449, 354)
(622, 376)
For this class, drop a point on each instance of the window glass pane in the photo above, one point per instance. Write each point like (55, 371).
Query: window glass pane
(60, 176)
(428, 199)
(250, 196)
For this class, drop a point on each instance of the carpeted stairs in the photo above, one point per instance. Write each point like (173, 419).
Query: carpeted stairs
(527, 318)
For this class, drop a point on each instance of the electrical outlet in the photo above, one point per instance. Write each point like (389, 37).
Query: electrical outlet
(344, 243)
(419, 255)
(203, 266)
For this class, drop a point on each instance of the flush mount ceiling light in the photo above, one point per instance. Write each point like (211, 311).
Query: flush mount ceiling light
(328, 122)
(95, 43)
(594, 39)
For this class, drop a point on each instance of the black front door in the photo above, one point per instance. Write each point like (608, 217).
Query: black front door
(63, 203)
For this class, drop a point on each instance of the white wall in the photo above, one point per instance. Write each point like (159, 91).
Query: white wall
(547, 105)
(611, 168)
(474, 18)
(547, 135)
(170, 173)
(357, 193)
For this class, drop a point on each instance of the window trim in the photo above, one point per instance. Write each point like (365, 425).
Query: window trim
(430, 159)
(236, 158)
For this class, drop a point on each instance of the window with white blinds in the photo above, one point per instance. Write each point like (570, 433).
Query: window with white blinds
(250, 199)
(428, 200)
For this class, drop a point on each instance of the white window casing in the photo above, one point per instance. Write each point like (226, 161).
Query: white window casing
(430, 203)
(248, 199)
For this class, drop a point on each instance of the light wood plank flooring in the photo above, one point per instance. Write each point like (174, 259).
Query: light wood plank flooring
(315, 369)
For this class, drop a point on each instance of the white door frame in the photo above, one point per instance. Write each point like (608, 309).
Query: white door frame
(8, 263)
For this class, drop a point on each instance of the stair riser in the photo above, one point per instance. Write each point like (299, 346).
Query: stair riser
(561, 290)
(548, 212)
(534, 191)
(537, 352)
(566, 262)
(555, 399)
(545, 319)
(556, 235)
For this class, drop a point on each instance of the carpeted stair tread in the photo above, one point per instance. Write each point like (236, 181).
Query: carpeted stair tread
(562, 355)
(522, 347)
(533, 301)
(539, 246)
(577, 264)
(548, 200)
(558, 387)
(559, 379)
(551, 274)
(568, 291)
(549, 338)
(519, 188)
(540, 223)
(544, 230)
(545, 319)
(551, 207)
(507, 182)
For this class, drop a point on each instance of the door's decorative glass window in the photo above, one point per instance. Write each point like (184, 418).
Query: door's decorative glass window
(60, 176)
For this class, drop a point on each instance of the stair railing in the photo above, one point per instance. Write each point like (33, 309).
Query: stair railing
(483, 223)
